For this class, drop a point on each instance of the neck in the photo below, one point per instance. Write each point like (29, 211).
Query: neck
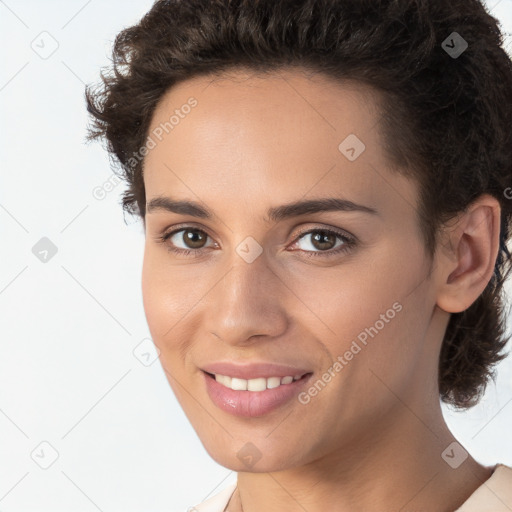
(398, 468)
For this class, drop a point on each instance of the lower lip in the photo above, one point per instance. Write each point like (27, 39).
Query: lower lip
(252, 403)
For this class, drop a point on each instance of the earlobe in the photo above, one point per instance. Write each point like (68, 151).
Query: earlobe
(466, 261)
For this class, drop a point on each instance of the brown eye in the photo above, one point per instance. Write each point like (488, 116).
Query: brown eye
(185, 240)
(194, 238)
(322, 242)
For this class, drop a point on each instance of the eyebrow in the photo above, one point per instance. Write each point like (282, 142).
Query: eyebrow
(276, 213)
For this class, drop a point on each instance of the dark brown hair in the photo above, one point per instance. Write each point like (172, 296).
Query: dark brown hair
(446, 118)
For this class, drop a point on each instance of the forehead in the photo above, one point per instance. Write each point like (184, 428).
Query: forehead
(286, 107)
(284, 134)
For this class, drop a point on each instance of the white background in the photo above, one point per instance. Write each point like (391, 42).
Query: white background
(68, 374)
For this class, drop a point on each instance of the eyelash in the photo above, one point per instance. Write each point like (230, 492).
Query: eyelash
(349, 242)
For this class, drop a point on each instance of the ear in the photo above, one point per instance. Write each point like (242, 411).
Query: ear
(468, 254)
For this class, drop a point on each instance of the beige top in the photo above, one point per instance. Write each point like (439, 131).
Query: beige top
(494, 495)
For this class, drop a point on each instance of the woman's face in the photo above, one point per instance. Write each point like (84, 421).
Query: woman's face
(352, 309)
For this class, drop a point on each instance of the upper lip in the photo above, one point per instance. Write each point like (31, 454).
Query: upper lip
(253, 370)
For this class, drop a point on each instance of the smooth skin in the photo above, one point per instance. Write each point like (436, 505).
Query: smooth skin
(372, 438)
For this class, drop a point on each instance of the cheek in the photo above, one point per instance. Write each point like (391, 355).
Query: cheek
(162, 301)
(170, 304)
(152, 297)
(162, 307)
(371, 313)
(342, 303)
(163, 291)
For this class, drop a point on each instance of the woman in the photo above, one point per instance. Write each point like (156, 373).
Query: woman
(325, 192)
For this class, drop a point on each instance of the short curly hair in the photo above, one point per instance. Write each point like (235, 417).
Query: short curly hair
(446, 117)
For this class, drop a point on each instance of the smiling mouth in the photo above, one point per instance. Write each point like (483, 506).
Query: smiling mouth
(258, 384)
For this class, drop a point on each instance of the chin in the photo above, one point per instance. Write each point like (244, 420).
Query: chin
(249, 457)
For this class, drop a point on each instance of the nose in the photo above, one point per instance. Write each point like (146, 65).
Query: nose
(247, 303)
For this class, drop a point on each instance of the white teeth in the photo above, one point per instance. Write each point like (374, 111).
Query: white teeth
(223, 379)
(259, 384)
(238, 384)
(273, 382)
